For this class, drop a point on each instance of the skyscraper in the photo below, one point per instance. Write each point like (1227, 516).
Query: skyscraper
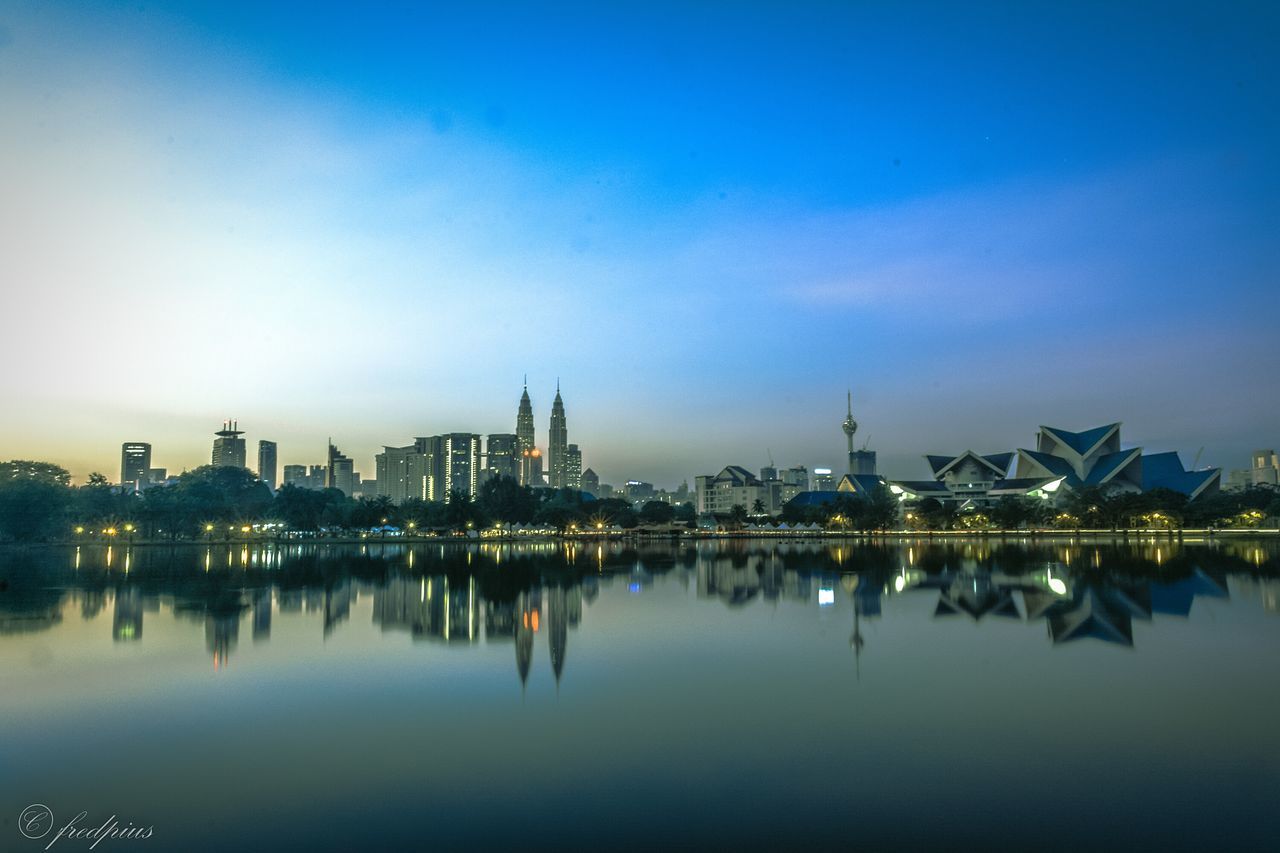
(135, 464)
(228, 447)
(267, 463)
(524, 420)
(590, 482)
(530, 456)
(557, 442)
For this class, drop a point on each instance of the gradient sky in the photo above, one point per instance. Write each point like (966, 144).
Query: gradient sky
(707, 219)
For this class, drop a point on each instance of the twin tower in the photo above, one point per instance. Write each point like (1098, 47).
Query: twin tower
(564, 460)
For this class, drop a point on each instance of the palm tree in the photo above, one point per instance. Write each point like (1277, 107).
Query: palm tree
(757, 507)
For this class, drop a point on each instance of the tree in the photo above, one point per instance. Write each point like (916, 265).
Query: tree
(936, 514)
(459, 511)
(302, 509)
(738, 513)
(33, 507)
(26, 469)
(657, 512)
(1011, 512)
(881, 509)
(757, 507)
(504, 499)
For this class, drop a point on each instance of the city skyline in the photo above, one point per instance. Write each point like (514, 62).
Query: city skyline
(526, 414)
(260, 213)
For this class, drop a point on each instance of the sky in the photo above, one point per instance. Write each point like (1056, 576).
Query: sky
(707, 221)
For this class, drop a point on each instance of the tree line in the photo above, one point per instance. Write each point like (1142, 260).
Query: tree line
(38, 503)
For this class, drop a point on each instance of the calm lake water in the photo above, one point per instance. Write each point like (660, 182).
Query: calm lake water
(720, 695)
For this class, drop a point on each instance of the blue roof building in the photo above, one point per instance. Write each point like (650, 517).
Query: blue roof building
(1094, 458)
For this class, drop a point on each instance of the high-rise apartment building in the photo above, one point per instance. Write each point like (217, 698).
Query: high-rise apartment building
(135, 464)
(557, 442)
(267, 463)
(228, 446)
(296, 475)
(406, 472)
(502, 455)
(457, 465)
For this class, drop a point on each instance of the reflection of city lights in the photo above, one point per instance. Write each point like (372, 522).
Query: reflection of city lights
(826, 596)
(1058, 585)
(899, 583)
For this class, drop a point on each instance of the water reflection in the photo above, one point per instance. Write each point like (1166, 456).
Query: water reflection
(513, 594)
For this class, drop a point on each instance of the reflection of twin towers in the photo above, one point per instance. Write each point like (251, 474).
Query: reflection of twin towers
(451, 611)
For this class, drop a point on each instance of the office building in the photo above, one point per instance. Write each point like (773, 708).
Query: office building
(135, 464)
(228, 446)
(531, 468)
(823, 480)
(267, 463)
(590, 482)
(797, 476)
(573, 467)
(340, 473)
(296, 475)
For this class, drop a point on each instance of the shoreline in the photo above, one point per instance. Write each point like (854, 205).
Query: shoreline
(1089, 535)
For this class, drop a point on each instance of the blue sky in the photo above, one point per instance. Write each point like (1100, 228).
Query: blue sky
(707, 219)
